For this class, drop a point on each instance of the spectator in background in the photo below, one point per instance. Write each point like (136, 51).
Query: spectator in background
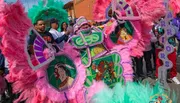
(139, 68)
(46, 35)
(70, 28)
(176, 23)
(64, 27)
(153, 44)
(147, 57)
(40, 28)
(59, 37)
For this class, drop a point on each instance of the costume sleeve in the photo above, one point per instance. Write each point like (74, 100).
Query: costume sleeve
(54, 35)
(62, 38)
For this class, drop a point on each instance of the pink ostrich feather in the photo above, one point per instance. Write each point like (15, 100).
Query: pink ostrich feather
(32, 85)
(175, 6)
(68, 49)
(99, 11)
(149, 10)
(14, 25)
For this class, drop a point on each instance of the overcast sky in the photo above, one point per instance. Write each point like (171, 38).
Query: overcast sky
(29, 3)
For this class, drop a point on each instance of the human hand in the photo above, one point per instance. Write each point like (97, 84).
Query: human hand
(67, 33)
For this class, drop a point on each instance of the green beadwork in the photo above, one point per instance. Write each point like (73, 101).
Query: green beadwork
(94, 38)
(115, 59)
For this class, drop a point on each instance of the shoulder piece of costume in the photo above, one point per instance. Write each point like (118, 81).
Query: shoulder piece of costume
(53, 9)
(44, 84)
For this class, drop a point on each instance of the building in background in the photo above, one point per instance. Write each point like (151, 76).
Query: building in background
(84, 8)
(70, 9)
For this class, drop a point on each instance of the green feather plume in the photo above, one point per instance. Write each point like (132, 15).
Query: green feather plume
(134, 92)
(53, 9)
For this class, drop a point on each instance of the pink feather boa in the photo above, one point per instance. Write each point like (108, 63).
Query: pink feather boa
(14, 25)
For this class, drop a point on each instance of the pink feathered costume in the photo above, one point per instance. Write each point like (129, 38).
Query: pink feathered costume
(33, 85)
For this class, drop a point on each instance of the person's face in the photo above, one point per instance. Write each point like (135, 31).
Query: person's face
(60, 73)
(64, 26)
(54, 26)
(40, 26)
(85, 29)
(85, 26)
